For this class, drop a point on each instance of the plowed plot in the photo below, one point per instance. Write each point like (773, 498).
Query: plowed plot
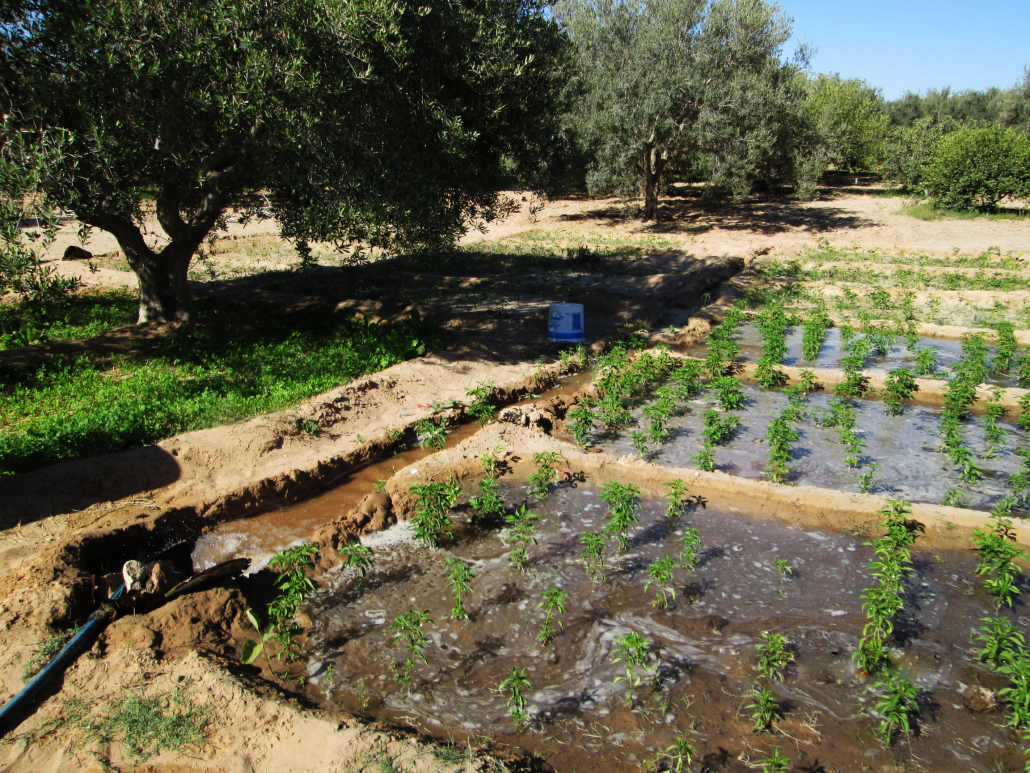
(701, 651)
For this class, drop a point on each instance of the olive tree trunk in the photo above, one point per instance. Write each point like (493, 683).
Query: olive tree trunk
(650, 179)
(164, 290)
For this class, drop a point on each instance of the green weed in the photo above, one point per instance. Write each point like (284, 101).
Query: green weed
(45, 650)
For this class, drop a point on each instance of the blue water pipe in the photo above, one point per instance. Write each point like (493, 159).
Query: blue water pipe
(94, 625)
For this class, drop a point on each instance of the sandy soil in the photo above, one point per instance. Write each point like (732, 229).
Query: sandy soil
(65, 524)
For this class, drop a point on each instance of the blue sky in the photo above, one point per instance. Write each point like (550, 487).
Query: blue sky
(916, 44)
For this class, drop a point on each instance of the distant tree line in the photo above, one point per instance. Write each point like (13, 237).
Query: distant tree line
(398, 124)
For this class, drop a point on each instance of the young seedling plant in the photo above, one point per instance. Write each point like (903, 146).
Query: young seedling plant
(661, 573)
(580, 421)
(358, 557)
(294, 586)
(633, 651)
(690, 549)
(515, 685)
(430, 434)
(545, 475)
(407, 628)
(883, 601)
(676, 498)
(553, 605)
(432, 503)
(899, 386)
(622, 499)
(998, 553)
(678, 755)
(592, 555)
(897, 708)
(522, 534)
(460, 576)
(480, 408)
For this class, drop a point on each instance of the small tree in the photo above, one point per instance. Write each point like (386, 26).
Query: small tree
(389, 124)
(977, 168)
(850, 119)
(693, 84)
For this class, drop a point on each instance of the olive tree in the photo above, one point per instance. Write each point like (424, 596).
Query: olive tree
(851, 121)
(698, 85)
(388, 124)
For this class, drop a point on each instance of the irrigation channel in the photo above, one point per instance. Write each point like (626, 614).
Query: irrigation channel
(900, 354)
(905, 448)
(702, 661)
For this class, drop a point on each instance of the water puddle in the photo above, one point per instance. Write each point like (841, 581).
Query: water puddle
(905, 448)
(949, 353)
(263, 535)
(704, 645)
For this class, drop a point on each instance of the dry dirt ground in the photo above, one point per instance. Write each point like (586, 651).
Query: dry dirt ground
(64, 525)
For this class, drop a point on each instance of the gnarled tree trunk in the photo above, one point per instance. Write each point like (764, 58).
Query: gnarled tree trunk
(164, 290)
(650, 178)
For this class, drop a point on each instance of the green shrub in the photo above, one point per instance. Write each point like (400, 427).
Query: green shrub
(977, 168)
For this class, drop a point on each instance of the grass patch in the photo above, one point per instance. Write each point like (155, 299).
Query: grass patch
(926, 211)
(46, 650)
(77, 317)
(212, 374)
(149, 726)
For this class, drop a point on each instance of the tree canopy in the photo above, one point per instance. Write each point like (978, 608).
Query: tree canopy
(393, 124)
(696, 85)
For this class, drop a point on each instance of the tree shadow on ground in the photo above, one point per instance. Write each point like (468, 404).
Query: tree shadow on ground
(682, 213)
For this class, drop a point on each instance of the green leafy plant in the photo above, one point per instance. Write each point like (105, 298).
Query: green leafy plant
(592, 555)
(774, 655)
(779, 435)
(783, 569)
(633, 651)
(432, 503)
(678, 755)
(522, 534)
(897, 708)
(926, 362)
(661, 573)
(899, 386)
(460, 576)
(883, 601)
(764, 707)
(623, 500)
(952, 498)
(867, 480)
(676, 498)
(357, 556)
(728, 393)
(488, 504)
(775, 762)
(546, 473)
(580, 421)
(294, 586)
(553, 605)
(430, 433)
(1002, 641)
(516, 685)
(407, 629)
(814, 327)
(998, 553)
(481, 409)
(690, 548)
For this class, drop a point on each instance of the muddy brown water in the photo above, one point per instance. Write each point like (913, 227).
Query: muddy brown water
(949, 353)
(905, 448)
(704, 645)
(261, 536)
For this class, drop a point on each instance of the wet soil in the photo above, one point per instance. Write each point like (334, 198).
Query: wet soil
(949, 353)
(704, 644)
(262, 536)
(905, 448)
